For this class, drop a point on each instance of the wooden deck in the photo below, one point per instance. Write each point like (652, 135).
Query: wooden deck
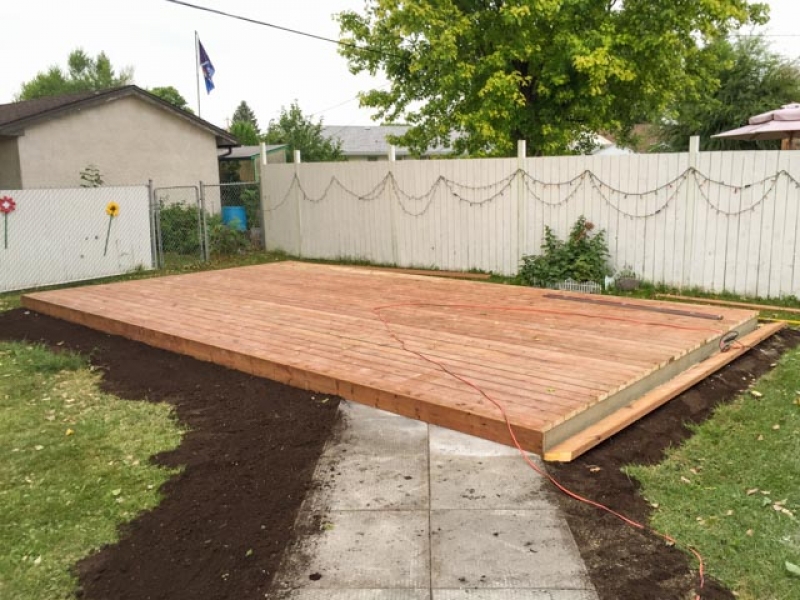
(558, 363)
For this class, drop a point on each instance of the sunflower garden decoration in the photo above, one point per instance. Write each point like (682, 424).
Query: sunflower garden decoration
(7, 206)
(112, 210)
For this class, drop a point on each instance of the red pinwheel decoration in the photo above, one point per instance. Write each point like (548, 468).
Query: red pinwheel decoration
(7, 206)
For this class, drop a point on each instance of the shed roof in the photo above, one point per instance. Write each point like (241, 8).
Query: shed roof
(16, 116)
(246, 152)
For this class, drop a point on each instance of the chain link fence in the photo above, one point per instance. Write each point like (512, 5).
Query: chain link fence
(53, 236)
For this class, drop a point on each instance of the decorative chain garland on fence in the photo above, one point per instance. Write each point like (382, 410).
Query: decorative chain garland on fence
(418, 205)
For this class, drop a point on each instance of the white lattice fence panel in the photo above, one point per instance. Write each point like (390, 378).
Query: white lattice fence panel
(63, 235)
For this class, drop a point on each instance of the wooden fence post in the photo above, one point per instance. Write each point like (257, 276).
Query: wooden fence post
(299, 196)
(521, 216)
(689, 229)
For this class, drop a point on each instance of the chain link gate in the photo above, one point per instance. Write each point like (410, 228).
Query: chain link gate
(179, 226)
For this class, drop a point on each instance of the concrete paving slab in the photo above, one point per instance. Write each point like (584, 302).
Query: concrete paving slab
(496, 532)
(367, 430)
(517, 594)
(359, 482)
(486, 482)
(360, 550)
(356, 595)
(453, 443)
(504, 549)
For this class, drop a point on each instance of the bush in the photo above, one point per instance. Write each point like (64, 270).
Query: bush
(224, 240)
(583, 257)
(252, 204)
(180, 229)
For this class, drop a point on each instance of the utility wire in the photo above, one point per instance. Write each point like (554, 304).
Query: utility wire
(281, 28)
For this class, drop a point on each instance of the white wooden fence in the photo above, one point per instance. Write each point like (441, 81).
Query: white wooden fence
(62, 235)
(721, 221)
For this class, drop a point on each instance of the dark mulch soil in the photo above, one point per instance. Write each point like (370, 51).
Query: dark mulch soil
(625, 563)
(250, 455)
(248, 460)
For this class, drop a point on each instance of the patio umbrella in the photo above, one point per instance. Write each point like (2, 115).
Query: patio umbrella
(780, 124)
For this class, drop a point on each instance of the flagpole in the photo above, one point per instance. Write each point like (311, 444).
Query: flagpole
(197, 68)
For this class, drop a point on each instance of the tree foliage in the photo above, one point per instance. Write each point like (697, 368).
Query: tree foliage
(748, 79)
(83, 74)
(302, 133)
(548, 71)
(244, 113)
(172, 95)
(244, 132)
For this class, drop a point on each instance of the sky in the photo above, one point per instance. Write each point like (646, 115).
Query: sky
(267, 68)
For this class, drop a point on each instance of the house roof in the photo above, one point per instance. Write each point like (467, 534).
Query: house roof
(370, 140)
(15, 117)
(248, 152)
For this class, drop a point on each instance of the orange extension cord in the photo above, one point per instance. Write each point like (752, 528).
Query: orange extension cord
(378, 310)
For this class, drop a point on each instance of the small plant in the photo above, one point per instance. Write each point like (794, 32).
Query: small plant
(626, 279)
(90, 177)
(582, 257)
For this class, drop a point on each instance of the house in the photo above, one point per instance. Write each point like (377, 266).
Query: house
(243, 161)
(369, 142)
(129, 135)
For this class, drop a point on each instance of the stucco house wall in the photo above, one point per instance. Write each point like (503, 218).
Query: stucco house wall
(10, 178)
(128, 139)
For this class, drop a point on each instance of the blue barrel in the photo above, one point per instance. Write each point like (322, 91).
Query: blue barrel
(235, 217)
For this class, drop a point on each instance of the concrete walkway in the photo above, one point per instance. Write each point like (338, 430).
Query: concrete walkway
(408, 511)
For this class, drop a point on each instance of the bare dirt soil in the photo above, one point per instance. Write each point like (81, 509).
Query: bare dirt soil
(251, 449)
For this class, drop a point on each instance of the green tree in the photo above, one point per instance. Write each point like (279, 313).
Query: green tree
(551, 72)
(83, 74)
(172, 95)
(749, 79)
(302, 133)
(244, 132)
(244, 113)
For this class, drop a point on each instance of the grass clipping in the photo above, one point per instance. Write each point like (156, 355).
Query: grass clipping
(732, 489)
(74, 466)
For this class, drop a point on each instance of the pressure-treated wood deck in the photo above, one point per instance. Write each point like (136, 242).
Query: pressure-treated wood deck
(558, 363)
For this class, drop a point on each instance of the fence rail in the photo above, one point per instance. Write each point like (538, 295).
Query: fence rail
(722, 221)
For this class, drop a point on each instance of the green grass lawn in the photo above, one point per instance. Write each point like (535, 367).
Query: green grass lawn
(74, 466)
(733, 489)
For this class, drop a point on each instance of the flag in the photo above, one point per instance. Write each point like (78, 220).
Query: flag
(207, 67)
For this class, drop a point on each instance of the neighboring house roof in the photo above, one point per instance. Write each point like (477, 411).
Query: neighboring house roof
(606, 146)
(15, 117)
(248, 152)
(370, 140)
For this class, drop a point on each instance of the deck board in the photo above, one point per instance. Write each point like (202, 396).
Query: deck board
(553, 363)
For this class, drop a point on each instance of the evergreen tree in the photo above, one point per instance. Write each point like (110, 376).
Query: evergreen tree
(244, 113)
